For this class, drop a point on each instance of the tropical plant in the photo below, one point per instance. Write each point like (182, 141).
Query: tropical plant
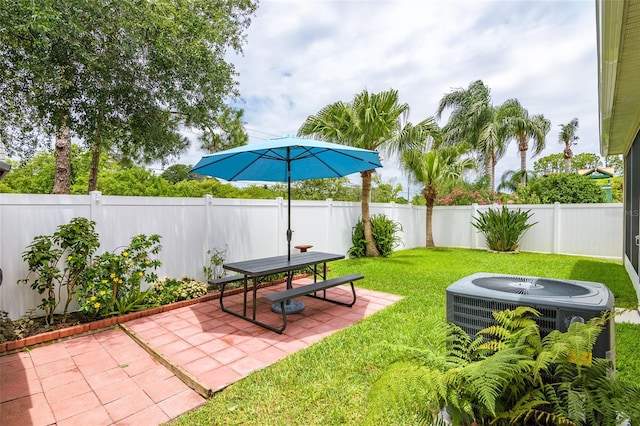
(385, 234)
(503, 229)
(58, 261)
(134, 299)
(511, 180)
(374, 121)
(433, 168)
(472, 114)
(114, 278)
(524, 128)
(510, 374)
(567, 136)
(494, 141)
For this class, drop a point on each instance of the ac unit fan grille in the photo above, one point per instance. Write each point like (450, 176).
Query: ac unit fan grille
(472, 314)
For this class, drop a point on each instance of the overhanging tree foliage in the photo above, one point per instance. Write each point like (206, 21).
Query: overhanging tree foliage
(120, 74)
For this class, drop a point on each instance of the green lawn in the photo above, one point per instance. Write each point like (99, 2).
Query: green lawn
(327, 383)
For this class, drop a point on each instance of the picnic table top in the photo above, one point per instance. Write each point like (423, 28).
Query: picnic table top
(276, 264)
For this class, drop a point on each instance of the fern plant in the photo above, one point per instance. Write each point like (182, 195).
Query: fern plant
(503, 229)
(508, 375)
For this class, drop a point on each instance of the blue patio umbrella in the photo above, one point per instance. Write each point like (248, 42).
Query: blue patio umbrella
(287, 159)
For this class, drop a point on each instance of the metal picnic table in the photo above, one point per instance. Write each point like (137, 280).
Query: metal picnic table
(256, 268)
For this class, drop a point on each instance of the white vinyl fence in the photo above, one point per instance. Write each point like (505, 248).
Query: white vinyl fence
(256, 228)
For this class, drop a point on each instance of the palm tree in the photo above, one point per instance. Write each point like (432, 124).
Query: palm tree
(493, 140)
(471, 111)
(512, 179)
(568, 137)
(475, 121)
(525, 128)
(433, 168)
(375, 121)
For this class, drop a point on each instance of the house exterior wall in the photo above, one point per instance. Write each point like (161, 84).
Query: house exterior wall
(632, 212)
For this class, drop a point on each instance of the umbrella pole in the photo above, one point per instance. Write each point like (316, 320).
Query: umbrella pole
(290, 306)
(289, 231)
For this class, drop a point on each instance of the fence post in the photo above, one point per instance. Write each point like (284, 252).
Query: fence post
(206, 241)
(556, 228)
(474, 234)
(394, 214)
(95, 208)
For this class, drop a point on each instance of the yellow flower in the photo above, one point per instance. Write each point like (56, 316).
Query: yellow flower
(120, 281)
(93, 298)
(102, 293)
(130, 263)
(112, 275)
(69, 257)
(125, 254)
(146, 262)
(140, 274)
(104, 281)
(96, 305)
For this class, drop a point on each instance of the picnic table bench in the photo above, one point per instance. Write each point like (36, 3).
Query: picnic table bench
(310, 290)
(253, 269)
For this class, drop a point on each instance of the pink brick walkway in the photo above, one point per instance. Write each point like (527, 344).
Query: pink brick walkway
(107, 378)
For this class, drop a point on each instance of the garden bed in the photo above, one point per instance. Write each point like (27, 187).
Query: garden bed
(78, 324)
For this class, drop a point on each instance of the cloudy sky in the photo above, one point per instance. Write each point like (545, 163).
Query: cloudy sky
(303, 55)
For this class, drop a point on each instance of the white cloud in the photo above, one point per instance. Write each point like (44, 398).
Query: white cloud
(303, 55)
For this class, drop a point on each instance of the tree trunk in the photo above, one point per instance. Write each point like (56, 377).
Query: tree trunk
(492, 174)
(430, 242)
(372, 250)
(523, 167)
(429, 193)
(62, 177)
(567, 159)
(95, 163)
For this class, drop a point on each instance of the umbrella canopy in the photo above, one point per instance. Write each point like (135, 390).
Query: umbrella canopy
(270, 161)
(286, 159)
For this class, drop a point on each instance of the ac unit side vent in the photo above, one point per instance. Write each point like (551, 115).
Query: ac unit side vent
(472, 314)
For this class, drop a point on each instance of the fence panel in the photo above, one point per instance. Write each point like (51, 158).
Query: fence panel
(591, 230)
(257, 228)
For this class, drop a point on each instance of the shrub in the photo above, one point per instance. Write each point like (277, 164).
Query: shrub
(59, 260)
(114, 278)
(169, 290)
(563, 188)
(384, 234)
(504, 228)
